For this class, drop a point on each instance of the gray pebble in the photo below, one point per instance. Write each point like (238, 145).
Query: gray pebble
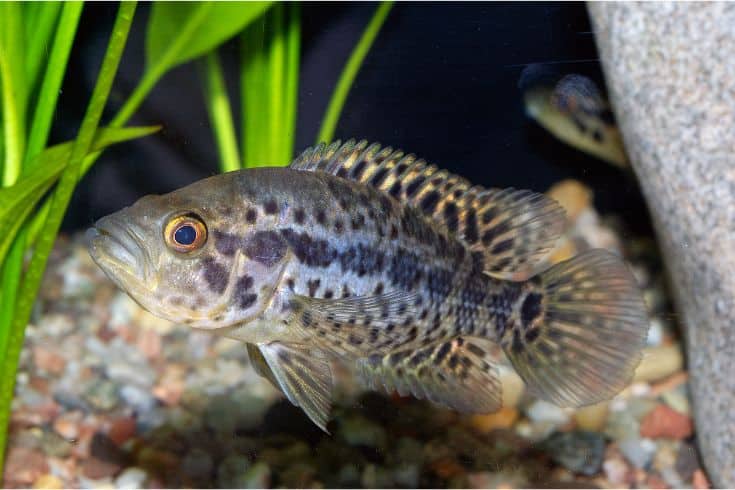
(578, 451)
(638, 452)
(142, 401)
(102, 394)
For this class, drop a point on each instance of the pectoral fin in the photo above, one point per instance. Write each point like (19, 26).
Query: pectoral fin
(304, 375)
(260, 365)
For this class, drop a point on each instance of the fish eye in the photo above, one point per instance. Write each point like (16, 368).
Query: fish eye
(185, 233)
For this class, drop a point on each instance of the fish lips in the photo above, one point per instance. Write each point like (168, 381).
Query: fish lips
(118, 250)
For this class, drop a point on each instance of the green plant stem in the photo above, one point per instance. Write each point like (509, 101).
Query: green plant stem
(46, 104)
(220, 112)
(13, 90)
(336, 103)
(60, 200)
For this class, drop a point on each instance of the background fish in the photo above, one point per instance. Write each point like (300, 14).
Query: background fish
(377, 259)
(574, 110)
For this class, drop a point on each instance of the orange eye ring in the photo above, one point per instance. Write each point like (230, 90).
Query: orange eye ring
(185, 233)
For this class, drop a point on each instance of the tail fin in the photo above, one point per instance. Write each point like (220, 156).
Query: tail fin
(579, 333)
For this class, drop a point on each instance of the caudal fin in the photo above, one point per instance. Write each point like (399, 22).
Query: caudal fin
(579, 334)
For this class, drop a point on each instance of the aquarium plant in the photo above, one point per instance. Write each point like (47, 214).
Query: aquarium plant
(37, 180)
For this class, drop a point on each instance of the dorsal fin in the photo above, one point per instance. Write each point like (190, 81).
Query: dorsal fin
(513, 229)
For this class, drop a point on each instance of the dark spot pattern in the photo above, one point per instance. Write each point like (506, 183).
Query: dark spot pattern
(270, 206)
(313, 286)
(215, 275)
(299, 216)
(309, 251)
(251, 215)
(226, 243)
(531, 309)
(265, 247)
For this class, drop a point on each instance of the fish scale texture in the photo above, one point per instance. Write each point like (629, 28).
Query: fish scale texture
(671, 72)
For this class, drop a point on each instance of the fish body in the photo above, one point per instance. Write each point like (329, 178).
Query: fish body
(374, 258)
(574, 110)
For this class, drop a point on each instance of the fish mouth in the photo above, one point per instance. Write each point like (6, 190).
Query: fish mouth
(118, 250)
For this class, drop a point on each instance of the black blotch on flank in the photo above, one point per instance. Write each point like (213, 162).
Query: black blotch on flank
(251, 215)
(321, 217)
(215, 275)
(531, 309)
(313, 286)
(271, 206)
(379, 288)
(265, 247)
(339, 227)
(226, 243)
(242, 293)
(314, 253)
(328, 294)
(299, 216)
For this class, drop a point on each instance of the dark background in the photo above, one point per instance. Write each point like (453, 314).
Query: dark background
(440, 81)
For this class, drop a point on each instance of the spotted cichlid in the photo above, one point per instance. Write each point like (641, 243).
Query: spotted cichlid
(574, 110)
(375, 258)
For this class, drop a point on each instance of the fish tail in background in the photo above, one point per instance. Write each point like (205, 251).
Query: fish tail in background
(578, 334)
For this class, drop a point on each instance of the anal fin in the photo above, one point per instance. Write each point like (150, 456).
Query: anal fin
(304, 375)
(457, 373)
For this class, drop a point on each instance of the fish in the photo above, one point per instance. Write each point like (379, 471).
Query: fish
(573, 109)
(367, 256)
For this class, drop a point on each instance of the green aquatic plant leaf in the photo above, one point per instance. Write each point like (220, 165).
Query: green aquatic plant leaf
(220, 112)
(181, 31)
(14, 90)
(349, 73)
(54, 75)
(12, 338)
(269, 71)
(40, 20)
(18, 200)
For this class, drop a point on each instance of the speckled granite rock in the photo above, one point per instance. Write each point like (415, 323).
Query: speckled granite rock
(671, 72)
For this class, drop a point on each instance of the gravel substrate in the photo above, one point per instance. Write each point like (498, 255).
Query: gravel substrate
(108, 395)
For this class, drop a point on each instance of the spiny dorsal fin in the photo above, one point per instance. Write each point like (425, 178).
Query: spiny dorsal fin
(511, 228)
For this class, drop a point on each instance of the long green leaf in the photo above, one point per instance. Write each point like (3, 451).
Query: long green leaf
(220, 112)
(334, 109)
(49, 94)
(39, 22)
(181, 31)
(61, 197)
(14, 93)
(269, 86)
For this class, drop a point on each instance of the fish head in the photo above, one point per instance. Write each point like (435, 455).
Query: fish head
(182, 257)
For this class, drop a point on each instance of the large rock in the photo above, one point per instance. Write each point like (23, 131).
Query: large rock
(670, 68)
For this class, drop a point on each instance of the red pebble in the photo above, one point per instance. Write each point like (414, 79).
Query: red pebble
(121, 430)
(23, 466)
(666, 422)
